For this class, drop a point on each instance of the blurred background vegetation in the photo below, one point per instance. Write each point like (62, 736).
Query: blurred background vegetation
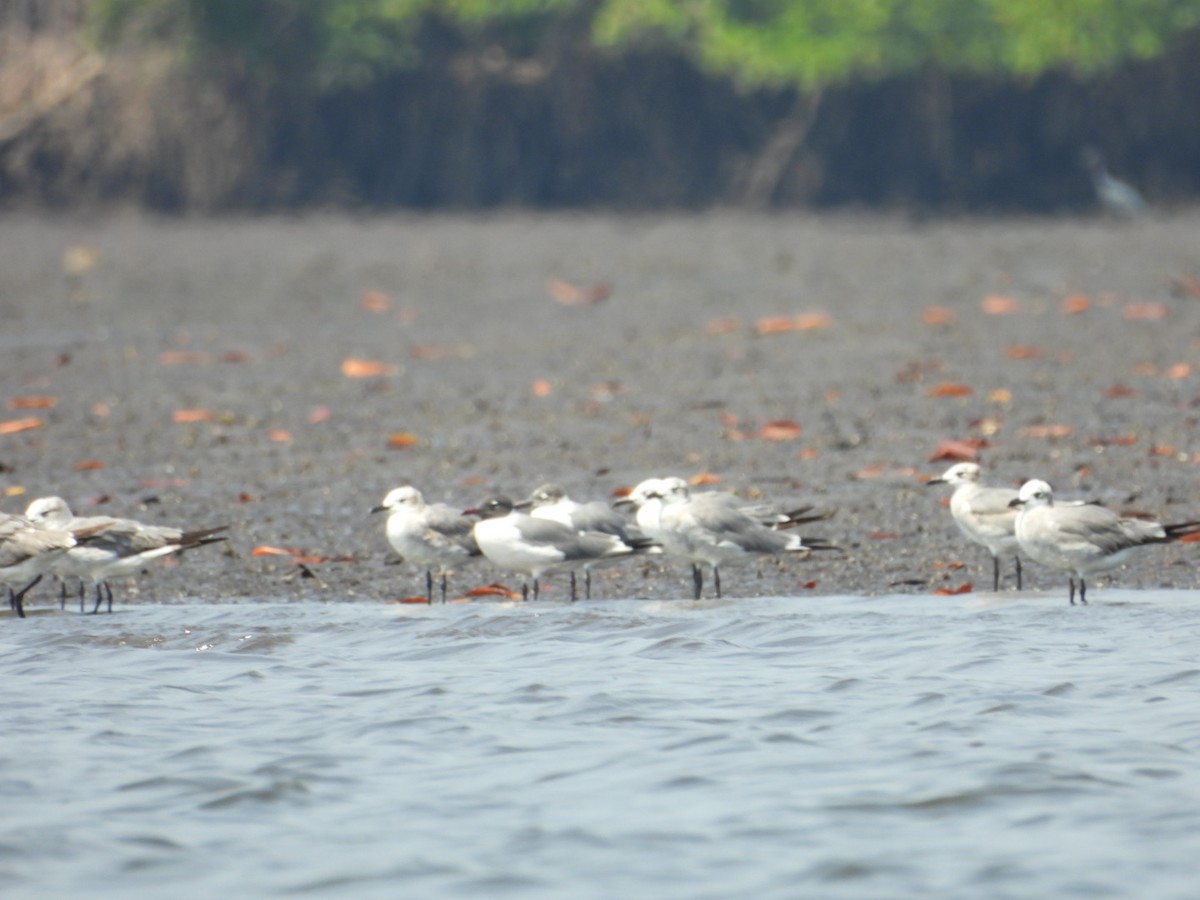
(981, 105)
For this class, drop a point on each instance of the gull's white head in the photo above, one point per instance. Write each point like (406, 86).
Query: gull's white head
(650, 489)
(960, 473)
(674, 488)
(1034, 493)
(49, 512)
(406, 497)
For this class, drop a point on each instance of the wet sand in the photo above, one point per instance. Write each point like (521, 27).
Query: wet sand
(1064, 345)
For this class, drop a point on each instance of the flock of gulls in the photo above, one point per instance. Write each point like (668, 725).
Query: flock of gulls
(548, 533)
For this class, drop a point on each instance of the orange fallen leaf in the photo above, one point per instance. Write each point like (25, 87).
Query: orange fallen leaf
(620, 492)
(367, 368)
(1000, 395)
(1121, 440)
(279, 436)
(1162, 450)
(1022, 351)
(495, 589)
(808, 585)
(704, 478)
(957, 451)
(12, 426)
(937, 315)
(101, 409)
(1147, 369)
(949, 389)
(802, 322)
(1045, 431)
(411, 600)
(569, 294)
(995, 305)
(808, 453)
(186, 416)
(402, 440)
(245, 497)
(965, 588)
(722, 326)
(1191, 537)
(873, 470)
(1119, 390)
(183, 358)
(1074, 304)
(319, 414)
(32, 402)
(14, 490)
(1147, 311)
(87, 465)
(728, 419)
(267, 550)
(882, 535)
(1178, 371)
(779, 430)
(541, 388)
(235, 356)
(813, 321)
(375, 301)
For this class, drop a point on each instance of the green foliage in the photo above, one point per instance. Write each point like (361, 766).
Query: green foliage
(808, 43)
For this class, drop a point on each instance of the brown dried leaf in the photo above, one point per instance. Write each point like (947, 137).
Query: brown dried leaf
(87, 465)
(937, 315)
(779, 430)
(319, 414)
(267, 550)
(995, 305)
(279, 436)
(949, 389)
(32, 401)
(187, 416)
(1178, 371)
(375, 301)
(366, 368)
(541, 388)
(704, 478)
(494, 589)
(1023, 351)
(402, 440)
(957, 451)
(965, 588)
(12, 426)
(1075, 304)
(1119, 390)
(569, 294)
(1045, 431)
(1146, 311)
(184, 358)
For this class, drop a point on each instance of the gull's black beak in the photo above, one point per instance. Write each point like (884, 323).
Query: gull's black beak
(935, 481)
(376, 509)
(1016, 504)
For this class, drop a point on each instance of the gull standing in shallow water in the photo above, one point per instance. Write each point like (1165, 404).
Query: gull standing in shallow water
(27, 552)
(114, 547)
(713, 527)
(984, 514)
(1083, 540)
(432, 535)
(513, 540)
(550, 501)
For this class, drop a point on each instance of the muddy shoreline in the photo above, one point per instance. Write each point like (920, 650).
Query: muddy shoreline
(196, 371)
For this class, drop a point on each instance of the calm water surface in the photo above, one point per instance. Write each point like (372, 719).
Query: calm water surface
(778, 747)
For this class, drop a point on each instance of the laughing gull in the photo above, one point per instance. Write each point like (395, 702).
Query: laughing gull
(984, 514)
(1084, 539)
(115, 547)
(27, 552)
(432, 535)
(714, 527)
(550, 501)
(514, 540)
